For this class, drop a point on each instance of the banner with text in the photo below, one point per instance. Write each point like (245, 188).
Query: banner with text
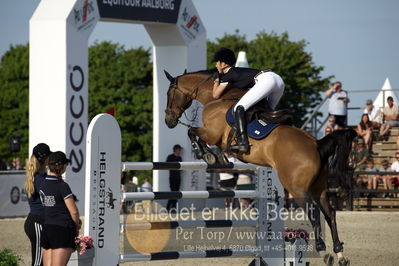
(13, 199)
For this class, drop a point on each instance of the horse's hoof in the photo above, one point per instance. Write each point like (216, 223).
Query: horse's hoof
(328, 259)
(209, 158)
(344, 262)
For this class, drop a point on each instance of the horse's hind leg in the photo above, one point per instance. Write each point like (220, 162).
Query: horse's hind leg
(320, 196)
(304, 201)
(314, 217)
(329, 214)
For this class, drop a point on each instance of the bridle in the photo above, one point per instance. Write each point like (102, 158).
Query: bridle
(189, 97)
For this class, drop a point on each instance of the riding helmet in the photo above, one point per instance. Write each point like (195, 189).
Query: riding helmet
(225, 55)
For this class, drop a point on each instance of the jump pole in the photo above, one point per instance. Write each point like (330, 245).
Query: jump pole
(103, 197)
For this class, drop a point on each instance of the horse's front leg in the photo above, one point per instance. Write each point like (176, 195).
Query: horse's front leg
(195, 144)
(202, 150)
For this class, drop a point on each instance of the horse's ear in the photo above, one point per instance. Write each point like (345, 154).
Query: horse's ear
(169, 76)
(185, 71)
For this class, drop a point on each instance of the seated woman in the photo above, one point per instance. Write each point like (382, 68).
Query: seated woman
(330, 125)
(365, 130)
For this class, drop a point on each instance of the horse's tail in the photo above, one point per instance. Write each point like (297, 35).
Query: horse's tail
(334, 150)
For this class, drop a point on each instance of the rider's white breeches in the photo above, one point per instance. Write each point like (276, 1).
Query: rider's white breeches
(267, 84)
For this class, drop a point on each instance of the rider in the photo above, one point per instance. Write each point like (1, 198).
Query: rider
(259, 83)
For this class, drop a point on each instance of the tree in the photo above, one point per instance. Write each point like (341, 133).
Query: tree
(14, 94)
(301, 76)
(117, 78)
(123, 79)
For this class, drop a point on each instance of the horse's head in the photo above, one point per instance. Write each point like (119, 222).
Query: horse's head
(179, 99)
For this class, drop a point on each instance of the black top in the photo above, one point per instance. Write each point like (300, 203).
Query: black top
(130, 187)
(35, 204)
(173, 158)
(53, 193)
(240, 77)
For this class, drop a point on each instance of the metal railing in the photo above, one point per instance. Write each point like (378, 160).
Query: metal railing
(314, 124)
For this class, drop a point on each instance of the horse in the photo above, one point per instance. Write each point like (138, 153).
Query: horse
(301, 161)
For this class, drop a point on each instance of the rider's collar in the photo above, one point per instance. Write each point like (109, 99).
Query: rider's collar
(227, 70)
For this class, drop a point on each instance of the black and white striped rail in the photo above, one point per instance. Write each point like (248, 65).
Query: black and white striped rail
(190, 194)
(174, 255)
(132, 166)
(167, 225)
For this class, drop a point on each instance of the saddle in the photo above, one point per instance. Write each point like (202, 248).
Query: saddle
(262, 111)
(261, 120)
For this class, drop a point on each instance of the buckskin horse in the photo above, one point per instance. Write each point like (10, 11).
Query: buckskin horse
(301, 161)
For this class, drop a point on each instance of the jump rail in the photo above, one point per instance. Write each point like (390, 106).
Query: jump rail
(210, 194)
(102, 201)
(132, 166)
(174, 255)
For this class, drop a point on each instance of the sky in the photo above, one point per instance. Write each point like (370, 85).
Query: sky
(357, 41)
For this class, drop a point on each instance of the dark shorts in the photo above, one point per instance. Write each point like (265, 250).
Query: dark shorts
(56, 236)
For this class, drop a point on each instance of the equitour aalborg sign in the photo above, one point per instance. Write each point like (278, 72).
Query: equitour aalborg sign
(163, 11)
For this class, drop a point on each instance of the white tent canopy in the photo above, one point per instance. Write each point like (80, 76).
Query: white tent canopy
(242, 59)
(386, 91)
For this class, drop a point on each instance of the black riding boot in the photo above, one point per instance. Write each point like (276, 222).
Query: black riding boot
(242, 138)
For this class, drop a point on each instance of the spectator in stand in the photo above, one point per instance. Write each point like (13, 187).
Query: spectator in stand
(330, 126)
(35, 175)
(358, 156)
(327, 131)
(394, 177)
(375, 116)
(61, 215)
(370, 177)
(365, 130)
(381, 179)
(174, 175)
(338, 106)
(390, 115)
(16, 164)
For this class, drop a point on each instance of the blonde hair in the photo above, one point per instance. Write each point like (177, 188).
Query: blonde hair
(33, 166)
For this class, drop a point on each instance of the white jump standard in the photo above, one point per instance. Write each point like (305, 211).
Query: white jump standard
(103, 172)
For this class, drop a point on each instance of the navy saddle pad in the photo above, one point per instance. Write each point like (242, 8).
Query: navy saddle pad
(256, 129)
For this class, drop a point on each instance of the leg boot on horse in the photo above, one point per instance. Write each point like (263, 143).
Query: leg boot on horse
(242, 144)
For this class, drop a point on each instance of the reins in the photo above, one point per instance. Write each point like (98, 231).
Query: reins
(192, 96)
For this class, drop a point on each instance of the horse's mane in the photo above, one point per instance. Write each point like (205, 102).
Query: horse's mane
(205, 72)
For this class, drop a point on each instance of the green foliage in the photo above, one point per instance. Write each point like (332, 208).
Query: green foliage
(14, 93)
(8, 258)
(123, 79)
(117, 78)
(301, 76)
